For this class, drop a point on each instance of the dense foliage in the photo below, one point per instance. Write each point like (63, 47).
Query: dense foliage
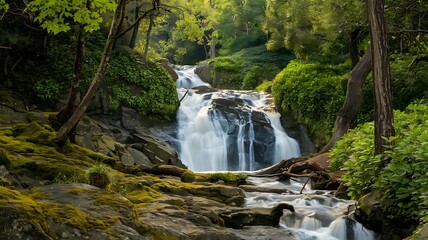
(153, 93)
(402, 181)
(249, 67)
(311, 92)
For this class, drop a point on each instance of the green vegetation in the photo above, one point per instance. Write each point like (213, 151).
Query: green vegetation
(402, 181)
(249, 67)
(99, 176)
(228, 177)
(145, 87)
(312, 93)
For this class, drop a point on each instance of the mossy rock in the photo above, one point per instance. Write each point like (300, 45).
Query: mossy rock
(4, 160)
(187, 176)
(46, 171)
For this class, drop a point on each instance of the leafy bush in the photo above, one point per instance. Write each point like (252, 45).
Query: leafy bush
(249, 67)
(400, 173)
(156, 98)
(311, 92)
(265, 86)
(256, 75)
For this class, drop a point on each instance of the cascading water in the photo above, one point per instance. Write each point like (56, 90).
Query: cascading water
(228, 130)
(317, 216)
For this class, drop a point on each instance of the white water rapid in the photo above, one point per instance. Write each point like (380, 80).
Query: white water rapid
(221, 130)
(318, 215)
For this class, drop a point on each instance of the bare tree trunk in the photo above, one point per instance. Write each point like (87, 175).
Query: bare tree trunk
(381, 75)
(354, 39)
(96, 81)
(71, 103)
(353, 99)
(212, 49)
(149, 31)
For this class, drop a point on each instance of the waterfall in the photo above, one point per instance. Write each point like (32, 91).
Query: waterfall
(223, 130)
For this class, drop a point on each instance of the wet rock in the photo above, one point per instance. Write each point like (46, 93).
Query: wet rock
(231, 114)
(370, 213)
(156, 150)
(255, 216)
(169, 68)
(203, 70)
(263, 233)
(300, 133)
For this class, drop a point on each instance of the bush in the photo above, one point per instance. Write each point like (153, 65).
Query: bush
(249, 67)
(256, 76)
(156, 98)
(312, 93)
(403, 180)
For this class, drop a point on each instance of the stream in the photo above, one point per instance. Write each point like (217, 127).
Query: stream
(225, 130)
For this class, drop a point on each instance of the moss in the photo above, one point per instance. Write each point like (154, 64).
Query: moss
(46, 171)
(4, 182)
(4, 160)
(187, 176)
(228, 177)
(99, 176)
(143, 195)
(24, 205)
(73, 216)
(159, 235)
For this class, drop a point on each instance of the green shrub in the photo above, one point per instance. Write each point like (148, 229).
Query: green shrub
(312, 93)
(156, 98)
(265, 86)
(249, 67)
(256, 75)
(403, 180)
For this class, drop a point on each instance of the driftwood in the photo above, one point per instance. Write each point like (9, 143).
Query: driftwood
(315, 168)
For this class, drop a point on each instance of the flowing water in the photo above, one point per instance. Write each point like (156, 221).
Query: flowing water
(221, 130)
(318, 214)
(228, 130)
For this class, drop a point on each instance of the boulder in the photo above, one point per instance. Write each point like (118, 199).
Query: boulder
(155, 149)
(169, 68)
(370, 213)
(300, 133)
(203, 70)
(255, 216)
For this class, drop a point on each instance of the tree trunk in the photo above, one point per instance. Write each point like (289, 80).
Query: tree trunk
(354, 39)
(149, 31)
(212, 49)
(71, 103)
(381, 75)
(96, 81)
(136, 27)
(353, 100)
